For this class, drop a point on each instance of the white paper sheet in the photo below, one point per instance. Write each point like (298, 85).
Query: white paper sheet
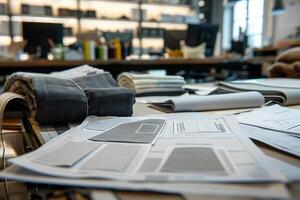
(212, 102)
(240, 159)
(291, 172)
(276, 139)
(275, 118)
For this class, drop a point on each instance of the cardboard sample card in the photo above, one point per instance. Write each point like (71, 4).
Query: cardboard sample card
(67, 154)
(143, 131)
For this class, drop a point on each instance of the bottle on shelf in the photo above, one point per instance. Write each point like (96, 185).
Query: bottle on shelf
(86, 47)
(111, 50)
(103, 52)
(92, 49)
(118, 49)
(101, 48)
(123, 49)
(89, 49)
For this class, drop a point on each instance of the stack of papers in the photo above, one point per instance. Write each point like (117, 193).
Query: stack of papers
(275, 118)
(285, 91)
(274, 125)
(215, 148)
(178, 153)
(146, 84)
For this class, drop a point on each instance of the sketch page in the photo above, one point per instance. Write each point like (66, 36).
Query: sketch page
(214, 102)
(275, 118)
(220, 142)
(234, 156)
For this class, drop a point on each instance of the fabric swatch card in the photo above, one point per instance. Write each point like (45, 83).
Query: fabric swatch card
(143, 131)
(67, 154)
(113, 157)
(192, 160)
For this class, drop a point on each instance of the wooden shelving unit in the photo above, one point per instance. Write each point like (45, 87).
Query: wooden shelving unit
(110, 16)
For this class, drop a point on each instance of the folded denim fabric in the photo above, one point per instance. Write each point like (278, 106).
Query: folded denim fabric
(56, 99)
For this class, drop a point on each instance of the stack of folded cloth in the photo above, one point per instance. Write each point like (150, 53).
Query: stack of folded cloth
(150, 85)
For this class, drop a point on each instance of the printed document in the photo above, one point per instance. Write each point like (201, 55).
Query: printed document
(275, 118)
(276, 139)
(186, 149)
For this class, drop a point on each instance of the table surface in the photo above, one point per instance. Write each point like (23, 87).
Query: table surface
(19, 190)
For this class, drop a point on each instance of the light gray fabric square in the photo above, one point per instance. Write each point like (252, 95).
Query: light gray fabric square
(150, 165)
(192, 160)
(67, 154)
(113, 157)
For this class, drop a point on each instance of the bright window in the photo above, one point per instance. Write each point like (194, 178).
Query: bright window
(253, 26)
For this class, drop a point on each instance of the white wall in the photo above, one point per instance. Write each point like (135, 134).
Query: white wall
(280, 27)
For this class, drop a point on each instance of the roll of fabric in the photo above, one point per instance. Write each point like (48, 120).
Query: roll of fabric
(289, 56)
(281, 69)
(71, 95)
(147, 85)
(287, 64)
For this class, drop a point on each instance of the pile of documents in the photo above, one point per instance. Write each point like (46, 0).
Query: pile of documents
(186, 153)
(175, 153)
(285, 91)
(149, 85)
(274, 125)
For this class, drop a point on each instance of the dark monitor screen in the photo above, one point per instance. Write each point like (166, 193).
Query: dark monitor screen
(199, 33)
(39, 34)
(172, 38)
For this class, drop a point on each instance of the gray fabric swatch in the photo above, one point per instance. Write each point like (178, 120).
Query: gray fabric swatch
(113, 157)
(67, 154)
(143, 131)
(192, 160)
(150, 165)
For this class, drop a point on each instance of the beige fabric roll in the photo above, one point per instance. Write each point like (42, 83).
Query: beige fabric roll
(280, 69)
(289, 56)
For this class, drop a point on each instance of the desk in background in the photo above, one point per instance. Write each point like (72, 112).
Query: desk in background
(189, 67)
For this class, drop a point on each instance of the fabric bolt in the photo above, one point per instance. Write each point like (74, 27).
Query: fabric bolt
(56, 98)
